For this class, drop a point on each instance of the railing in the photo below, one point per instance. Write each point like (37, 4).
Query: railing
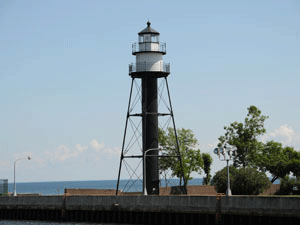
(149, 47)
(149, 67)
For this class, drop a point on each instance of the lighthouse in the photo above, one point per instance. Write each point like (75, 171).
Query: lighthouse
(148, 68)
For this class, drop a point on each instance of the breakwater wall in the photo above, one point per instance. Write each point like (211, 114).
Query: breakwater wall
(153, 209)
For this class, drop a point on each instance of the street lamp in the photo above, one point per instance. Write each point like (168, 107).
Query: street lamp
(15, 190)
(227, 153)
(144, 166)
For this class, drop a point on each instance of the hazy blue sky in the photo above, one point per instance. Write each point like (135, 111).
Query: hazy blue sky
(64, 83)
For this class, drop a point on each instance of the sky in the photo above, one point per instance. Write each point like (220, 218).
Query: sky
(64, 83)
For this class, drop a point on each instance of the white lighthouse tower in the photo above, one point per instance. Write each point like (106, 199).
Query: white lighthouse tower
(148, 68)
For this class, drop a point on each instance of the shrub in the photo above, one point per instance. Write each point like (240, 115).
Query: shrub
(249, 181)
(243, 181)
(220, 179)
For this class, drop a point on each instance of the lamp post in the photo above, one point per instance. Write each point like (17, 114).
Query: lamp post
(15, 190)
(227, 153)
(144, 166)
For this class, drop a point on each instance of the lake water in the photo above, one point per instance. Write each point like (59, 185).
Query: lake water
(53, 188)
(57, 187)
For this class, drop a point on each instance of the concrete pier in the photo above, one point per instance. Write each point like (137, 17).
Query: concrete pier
(142, 208)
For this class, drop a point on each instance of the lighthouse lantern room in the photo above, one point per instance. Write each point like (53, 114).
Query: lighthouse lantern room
(149, 52)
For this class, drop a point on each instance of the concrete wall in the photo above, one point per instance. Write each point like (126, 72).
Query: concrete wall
(273, 206)
(238, 205)
(32, 202)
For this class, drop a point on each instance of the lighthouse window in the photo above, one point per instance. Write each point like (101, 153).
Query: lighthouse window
(147, 37)
(154, 38)
(141, 39)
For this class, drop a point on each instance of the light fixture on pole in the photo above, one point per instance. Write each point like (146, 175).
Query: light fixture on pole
(227, 153)
(15, 190)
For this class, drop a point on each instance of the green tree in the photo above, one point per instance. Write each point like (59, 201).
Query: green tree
(244, 136)
(243, 181)
(190, 155)
(277, 160)
(294, 160)
(289, 186)
(271, 157)
(207, 161)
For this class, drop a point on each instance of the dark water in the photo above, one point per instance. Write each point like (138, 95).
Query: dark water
(6, 222)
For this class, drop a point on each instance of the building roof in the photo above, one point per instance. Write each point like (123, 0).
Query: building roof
(148, 30)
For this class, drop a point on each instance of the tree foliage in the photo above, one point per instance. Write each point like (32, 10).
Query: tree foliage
(243, 181)
(190, 156)
(289, 186)
(207, 161)
(244, 136)
(278, 160)
(269, 157)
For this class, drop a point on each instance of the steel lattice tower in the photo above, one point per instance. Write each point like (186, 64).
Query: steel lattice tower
(149, 67)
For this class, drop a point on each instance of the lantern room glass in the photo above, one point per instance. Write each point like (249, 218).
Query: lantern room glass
(141, 38)
(154, 38)
(146, 38)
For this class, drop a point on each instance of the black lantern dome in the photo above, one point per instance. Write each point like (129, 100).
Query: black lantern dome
(148, 34)
(148, 30)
